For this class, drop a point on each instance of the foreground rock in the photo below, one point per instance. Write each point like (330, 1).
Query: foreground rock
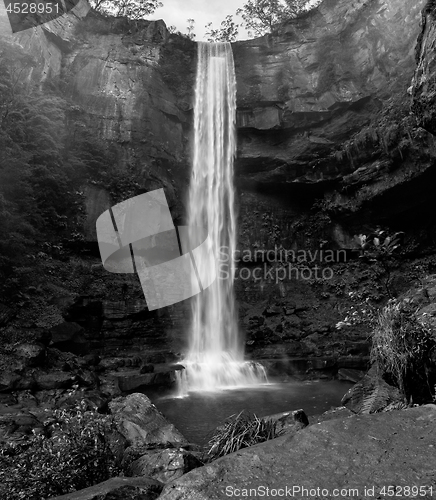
(164, 465)
(141, 423)
(289, 422)
(152, 446)
(394, 448)
(118, 488)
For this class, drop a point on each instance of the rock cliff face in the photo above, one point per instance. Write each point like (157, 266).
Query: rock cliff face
(302, 92)
(129, 83)
(324, 119)
(424, 89)
(320, 78)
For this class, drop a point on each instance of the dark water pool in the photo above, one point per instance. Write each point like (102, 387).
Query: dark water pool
(197, 415)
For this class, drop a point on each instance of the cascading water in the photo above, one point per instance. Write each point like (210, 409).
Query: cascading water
(216, 356)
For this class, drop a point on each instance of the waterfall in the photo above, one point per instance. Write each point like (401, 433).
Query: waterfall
(216, 355)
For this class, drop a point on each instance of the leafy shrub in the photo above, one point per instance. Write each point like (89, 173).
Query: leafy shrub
(241, 431)
(361, 311)
(379, 246)
(383, 249)
(402, 349)
(73, 453)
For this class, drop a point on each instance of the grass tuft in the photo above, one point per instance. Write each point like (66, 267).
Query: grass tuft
(240, 431)
(402, 347)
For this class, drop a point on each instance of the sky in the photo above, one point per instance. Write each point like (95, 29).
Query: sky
(176, 13)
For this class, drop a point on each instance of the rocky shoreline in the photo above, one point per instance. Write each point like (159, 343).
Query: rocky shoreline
(37, 379)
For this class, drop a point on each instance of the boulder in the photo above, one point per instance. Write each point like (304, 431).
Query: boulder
(54, 380)
(26, 382)
(393, 448)
(49, 398)
(130, 381)
(164, 465)
(15, 423)
(26, 422)
(339, 412)
(12, 368)
(87, 378)
(116, 363)
(26, 398)
(289, 422)
(109, 385)
(65, 361)
(92, 359)
(31, 354)
(118, 488)
(110, 364)
(69, 337)
(273, 310)
(7, 399)
(8, 381)
(141, 423)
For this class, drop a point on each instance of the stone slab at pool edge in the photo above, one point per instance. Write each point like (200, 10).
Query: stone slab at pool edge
(392, 448)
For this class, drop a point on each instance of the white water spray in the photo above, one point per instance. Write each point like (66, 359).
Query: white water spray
(216, 356)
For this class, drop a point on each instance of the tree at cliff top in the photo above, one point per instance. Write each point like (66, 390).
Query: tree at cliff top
(190, 29)
(133, 9)
(260, 16)
(226, 33)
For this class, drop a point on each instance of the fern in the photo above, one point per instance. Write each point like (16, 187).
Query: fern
(371, 394)
(400, 405)
(356, 396)
(374, 402)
